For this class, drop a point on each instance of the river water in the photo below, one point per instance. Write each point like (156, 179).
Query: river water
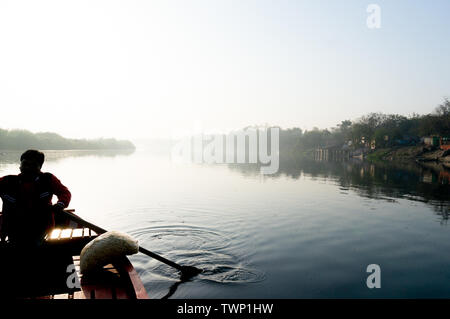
(309, 231)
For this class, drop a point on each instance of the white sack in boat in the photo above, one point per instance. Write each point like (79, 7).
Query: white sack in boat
(105, 249)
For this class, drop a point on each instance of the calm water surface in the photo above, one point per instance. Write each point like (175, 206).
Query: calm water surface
(308, 232)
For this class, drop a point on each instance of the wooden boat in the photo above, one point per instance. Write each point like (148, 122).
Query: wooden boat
(54, 273)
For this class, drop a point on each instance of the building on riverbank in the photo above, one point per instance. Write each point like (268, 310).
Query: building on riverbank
(444, 143)
(431, 140)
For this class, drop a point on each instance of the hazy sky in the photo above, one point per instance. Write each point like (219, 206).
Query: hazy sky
(151, 68)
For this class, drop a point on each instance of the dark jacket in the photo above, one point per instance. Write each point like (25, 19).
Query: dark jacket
(27, 212)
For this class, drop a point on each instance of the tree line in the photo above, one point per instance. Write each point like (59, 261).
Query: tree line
(23, 139)
(386, 129)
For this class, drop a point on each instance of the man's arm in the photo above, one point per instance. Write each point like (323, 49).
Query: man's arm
(3, 230)
(61, 192)
(2, 184)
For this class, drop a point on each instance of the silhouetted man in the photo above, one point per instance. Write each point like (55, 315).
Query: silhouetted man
(28, 213)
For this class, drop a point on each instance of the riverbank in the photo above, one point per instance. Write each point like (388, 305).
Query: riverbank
(411, 153)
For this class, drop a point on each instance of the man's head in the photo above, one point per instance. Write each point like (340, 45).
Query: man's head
(31, 162)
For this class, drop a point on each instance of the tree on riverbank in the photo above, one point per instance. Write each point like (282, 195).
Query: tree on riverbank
(384, 129)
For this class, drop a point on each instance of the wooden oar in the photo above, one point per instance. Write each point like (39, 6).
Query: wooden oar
(186, 271)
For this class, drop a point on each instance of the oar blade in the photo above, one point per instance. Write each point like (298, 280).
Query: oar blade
(187, 272)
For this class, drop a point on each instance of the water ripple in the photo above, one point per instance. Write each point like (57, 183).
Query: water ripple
(219, 255)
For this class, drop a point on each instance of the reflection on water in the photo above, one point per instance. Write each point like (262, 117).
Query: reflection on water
(425, 182)
(13, 157)
(307, 232)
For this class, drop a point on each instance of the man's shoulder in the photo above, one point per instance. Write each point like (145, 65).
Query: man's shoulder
(9, 181)
(9, 177)
(47, 176)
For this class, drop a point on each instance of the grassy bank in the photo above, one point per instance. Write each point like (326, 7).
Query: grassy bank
(405, 153)
(379, 155)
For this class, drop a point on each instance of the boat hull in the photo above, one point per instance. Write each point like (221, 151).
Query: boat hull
(53, 272)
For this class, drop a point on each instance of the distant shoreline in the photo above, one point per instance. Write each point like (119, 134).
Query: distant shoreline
(17, 140)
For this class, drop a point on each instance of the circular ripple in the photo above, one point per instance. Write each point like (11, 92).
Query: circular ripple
(232, 274)
(218, 255)
(182, 238)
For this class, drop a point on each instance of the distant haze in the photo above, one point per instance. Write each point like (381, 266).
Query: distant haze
(134, 69)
